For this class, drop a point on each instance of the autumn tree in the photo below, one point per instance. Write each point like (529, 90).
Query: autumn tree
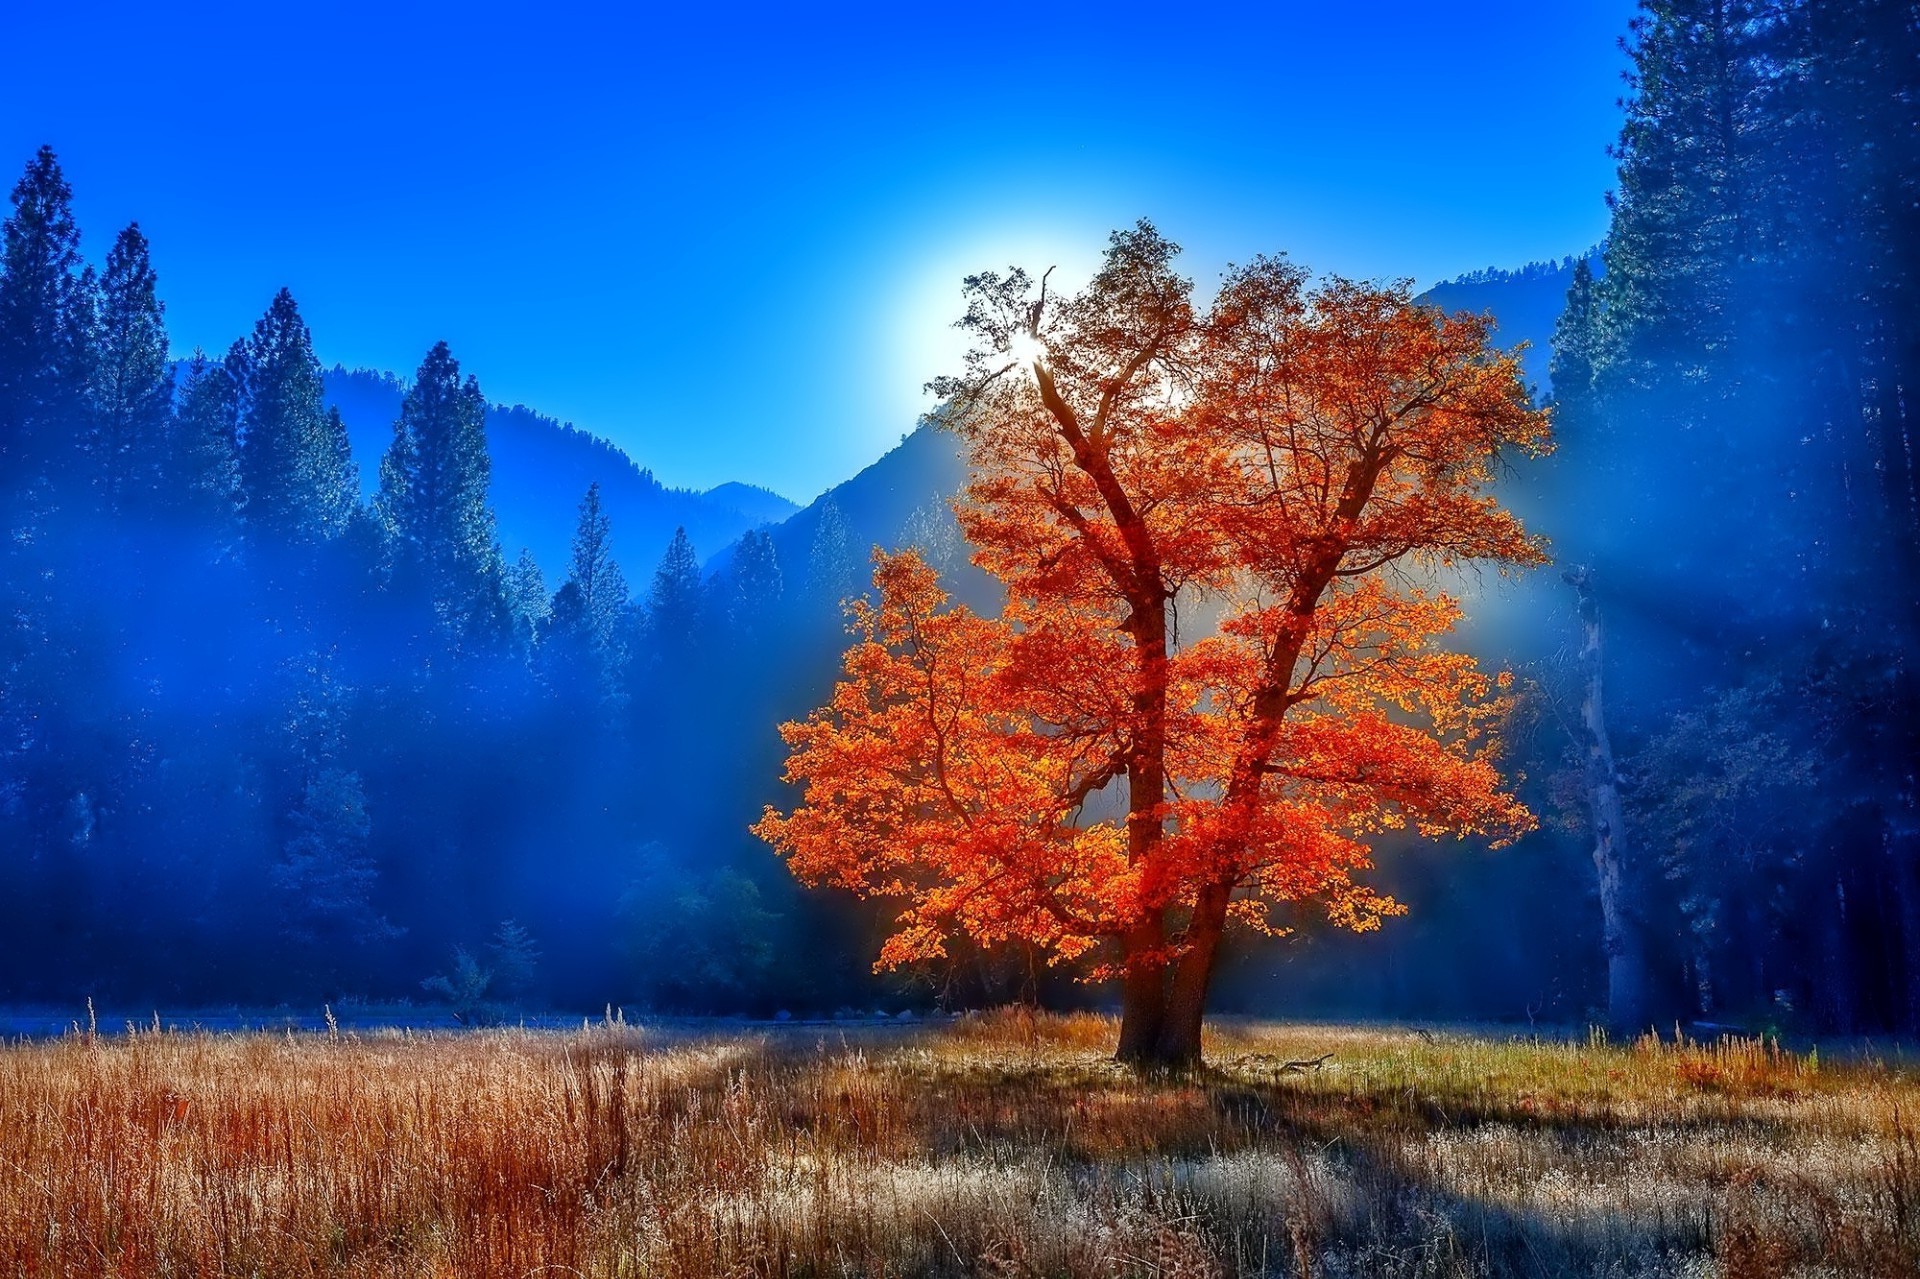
(1080, 775)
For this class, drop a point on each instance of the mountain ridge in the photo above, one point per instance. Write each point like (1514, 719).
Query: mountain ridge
(541, 468)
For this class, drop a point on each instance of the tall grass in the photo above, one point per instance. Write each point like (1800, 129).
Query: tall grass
(1003, 1145)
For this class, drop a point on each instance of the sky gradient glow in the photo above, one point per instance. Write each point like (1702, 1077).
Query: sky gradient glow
(731, 242)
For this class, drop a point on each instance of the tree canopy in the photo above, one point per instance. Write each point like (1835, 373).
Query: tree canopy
(1076, 772)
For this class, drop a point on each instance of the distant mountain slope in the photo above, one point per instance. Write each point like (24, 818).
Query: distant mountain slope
(541, 468)
(924, 471)
(762, 506)
(1526, 303)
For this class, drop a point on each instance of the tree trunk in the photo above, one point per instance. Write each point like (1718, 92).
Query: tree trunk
(1619, 910)
(1143, 996)
(1179, 1044)
(1143, 991)
(1837, 1009)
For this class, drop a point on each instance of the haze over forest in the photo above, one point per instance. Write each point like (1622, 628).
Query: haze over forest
(351, 684)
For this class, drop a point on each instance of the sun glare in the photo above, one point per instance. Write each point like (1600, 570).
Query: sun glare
(1026, 350)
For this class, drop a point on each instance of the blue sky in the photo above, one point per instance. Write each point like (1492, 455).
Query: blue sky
(731, 239)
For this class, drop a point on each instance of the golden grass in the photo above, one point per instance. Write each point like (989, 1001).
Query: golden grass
(1003, 1145)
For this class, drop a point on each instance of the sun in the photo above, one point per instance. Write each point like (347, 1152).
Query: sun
(1026, 350)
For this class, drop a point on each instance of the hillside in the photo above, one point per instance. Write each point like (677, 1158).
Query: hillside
(541, 468)
(1525, 302)
(923, 471)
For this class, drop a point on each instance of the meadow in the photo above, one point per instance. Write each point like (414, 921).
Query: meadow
(997, 1145)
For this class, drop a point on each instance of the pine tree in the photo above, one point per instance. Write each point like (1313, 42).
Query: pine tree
(515, 960)
(584, 641)
(296, 473)
(527, 598)
(204, 463)
(831, 574)
(335, 476)
(43, 324)
(932, 531)
(1683, 248)
(132, 382)
(1576, 352)
(674, 605)
(596, 576)
(433, 494)
(325, 871)
(756, 586)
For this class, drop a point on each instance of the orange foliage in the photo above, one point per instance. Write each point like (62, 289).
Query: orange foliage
(1297, 461)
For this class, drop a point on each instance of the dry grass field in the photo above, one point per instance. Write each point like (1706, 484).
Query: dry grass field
(1001, 1146)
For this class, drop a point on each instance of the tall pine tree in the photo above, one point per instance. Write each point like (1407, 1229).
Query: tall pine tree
(755, 587)
(433, 496)
(1576, 338)
(585, 638)
(203, 468)
(832, 575)
(132, 380)
(528, 599)
(297, 478)
(595, 574)
(674, 606)
(43, 325)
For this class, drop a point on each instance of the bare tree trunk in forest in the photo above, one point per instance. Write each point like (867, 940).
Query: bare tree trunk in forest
(1899, 838)
(1834, 996)
(1619, 911)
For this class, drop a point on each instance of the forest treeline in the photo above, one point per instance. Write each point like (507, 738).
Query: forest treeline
(1735, 403)
(264, 738)
(1734, 378)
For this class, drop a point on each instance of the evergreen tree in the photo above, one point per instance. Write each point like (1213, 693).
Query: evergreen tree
(204, 464)
(1687, 239)
(1576, 353)
(527, 598)
(515, 961)
(932, 531)
(325, 872)
(335, 475)
(433, 494)
(43, 323)
(755, 587)
(132, 382)
(831, 573)
(674, 605)
(583, 642)
(296, 474)
(596, 577)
